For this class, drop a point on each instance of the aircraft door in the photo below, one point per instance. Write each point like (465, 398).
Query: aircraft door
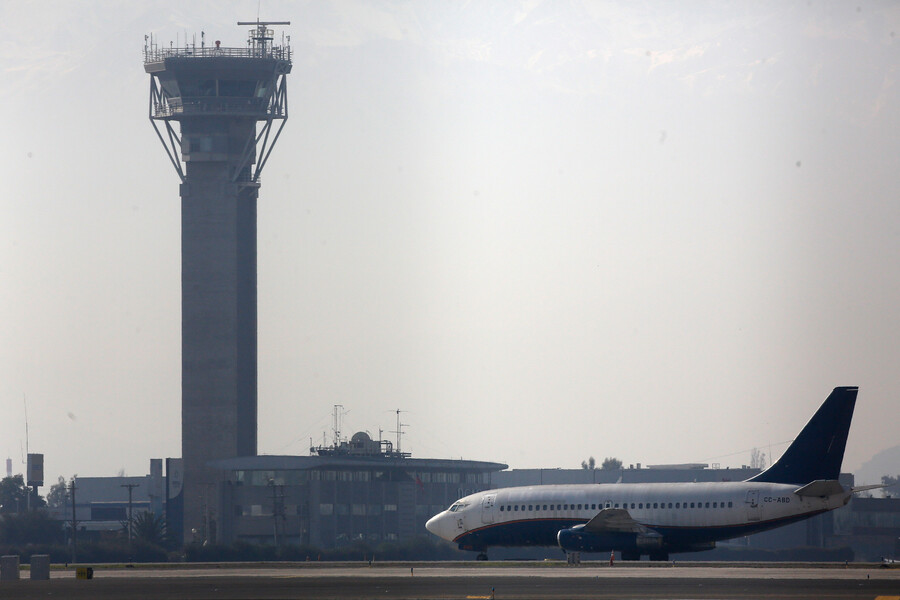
(487, 508)
(753, 507)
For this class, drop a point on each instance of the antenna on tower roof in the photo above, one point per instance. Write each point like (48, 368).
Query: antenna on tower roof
(261, 36)
(399, 430)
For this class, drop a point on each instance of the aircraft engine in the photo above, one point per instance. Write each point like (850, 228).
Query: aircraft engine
(578, 540)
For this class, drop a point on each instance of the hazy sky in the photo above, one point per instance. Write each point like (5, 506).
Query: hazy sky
(546, 230)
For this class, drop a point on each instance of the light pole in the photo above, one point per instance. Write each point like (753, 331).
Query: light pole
(130, 487)
(74, 525)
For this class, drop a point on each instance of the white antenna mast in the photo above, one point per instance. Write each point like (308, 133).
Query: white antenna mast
(338, 413)
(399, 430)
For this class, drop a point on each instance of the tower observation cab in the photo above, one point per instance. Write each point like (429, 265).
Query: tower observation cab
(216, 93)
(214, 109)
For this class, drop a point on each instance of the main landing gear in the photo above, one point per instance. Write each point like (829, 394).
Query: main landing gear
(482, 556)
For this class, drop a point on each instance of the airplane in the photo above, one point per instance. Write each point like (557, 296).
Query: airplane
(658, 519)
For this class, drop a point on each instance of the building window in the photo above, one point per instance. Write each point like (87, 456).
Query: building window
(261, 477)
(293, 477)
(358, 509)
(326, 509)
(390, 508)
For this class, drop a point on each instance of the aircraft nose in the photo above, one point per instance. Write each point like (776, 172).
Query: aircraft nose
(437, 525)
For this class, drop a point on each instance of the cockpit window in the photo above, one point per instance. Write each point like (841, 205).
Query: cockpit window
(458, 506)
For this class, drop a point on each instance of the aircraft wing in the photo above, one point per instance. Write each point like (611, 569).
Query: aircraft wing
(614, 519)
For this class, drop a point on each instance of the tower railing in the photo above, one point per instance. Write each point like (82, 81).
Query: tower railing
(207, 106)
(156, 54)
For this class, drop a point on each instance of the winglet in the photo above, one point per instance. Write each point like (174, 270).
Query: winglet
(818, 450)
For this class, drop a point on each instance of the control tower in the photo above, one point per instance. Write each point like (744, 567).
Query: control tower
(225, 102)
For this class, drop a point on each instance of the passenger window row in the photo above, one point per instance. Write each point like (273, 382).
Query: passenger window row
(638, 505)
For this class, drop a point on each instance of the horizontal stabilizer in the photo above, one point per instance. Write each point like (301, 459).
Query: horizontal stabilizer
(613, 519)
(821, 488)
(866, 488)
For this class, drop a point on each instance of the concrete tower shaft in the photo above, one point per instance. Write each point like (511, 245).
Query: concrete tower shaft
(214, 108)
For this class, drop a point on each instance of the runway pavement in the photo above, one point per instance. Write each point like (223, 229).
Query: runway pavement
(465, 581)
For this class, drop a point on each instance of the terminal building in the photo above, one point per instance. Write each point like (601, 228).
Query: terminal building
(356, 490)
(871, 526)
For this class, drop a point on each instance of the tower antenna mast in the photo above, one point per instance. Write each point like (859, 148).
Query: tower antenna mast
(399, 430)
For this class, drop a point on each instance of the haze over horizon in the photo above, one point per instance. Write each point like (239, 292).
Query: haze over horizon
(544, 230)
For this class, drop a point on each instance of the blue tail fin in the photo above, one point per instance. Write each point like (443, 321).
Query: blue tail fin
(818, 451)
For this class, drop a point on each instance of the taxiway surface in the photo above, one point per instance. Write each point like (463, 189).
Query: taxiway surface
(469, 582)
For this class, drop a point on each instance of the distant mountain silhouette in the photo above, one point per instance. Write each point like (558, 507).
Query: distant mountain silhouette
(886, 462)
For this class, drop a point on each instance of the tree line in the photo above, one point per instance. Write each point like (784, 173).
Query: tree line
(609, 464)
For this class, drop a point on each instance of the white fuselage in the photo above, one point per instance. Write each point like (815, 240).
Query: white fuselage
(684, 513)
